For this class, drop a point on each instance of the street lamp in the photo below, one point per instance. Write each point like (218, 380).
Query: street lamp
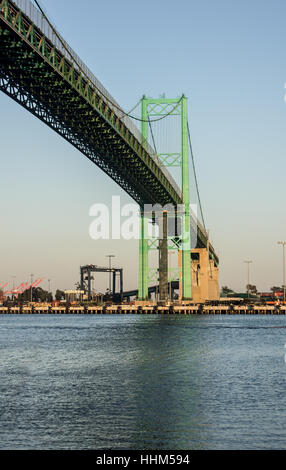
(283, 245)
(110, 256)
(248, 263)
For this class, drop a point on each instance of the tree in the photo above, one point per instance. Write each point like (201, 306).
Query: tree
(226, 290)
(59, 295)
(39, 295)
(251, 289)
(275, 289)
(25, 296)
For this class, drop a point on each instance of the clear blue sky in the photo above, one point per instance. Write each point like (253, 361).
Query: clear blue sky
(229, 59)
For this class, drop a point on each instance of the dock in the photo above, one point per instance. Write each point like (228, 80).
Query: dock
(201, 309)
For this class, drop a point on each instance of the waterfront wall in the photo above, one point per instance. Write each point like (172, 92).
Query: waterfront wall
(147, 309)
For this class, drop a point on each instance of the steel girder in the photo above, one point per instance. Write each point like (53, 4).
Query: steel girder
(40, 79)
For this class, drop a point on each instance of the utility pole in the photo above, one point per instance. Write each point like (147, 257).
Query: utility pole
(283, 245)
(248, 263)
(110, 256)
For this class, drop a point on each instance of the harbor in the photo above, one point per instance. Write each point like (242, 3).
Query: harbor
(143, 239)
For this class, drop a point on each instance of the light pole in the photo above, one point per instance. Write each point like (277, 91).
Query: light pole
(32, 287)
(248, 263)
(48, 297)
(110, 256)
(13, 288)
(283, 245)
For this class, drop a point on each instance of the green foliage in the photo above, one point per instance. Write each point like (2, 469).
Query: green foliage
(251, 288)
(39, 295)
(275, 289)
(60, 295)
(226, 290)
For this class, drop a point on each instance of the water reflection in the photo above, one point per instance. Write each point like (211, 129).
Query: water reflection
(154, 382)
(168, 408)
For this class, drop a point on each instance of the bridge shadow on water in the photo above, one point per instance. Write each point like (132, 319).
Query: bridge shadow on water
(165, 374)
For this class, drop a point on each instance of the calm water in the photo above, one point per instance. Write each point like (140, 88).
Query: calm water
(124, 382)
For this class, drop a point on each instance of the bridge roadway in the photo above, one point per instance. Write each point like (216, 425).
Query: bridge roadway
(40, 71)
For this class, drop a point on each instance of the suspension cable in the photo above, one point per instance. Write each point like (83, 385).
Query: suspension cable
(153, 140)
(197, 186)
(134, 107)
(195, 174)
(84, 73)
(158, 119)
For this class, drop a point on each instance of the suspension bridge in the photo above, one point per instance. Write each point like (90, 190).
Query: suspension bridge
(41, 72)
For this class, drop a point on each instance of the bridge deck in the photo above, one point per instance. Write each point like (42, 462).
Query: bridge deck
(39, 70)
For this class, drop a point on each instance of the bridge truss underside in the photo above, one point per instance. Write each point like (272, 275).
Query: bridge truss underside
(36, 74)
(41, 81)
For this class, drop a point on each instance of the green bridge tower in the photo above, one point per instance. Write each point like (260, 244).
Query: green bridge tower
(166, 107)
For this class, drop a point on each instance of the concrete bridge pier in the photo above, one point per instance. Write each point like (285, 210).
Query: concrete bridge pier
(205, 276)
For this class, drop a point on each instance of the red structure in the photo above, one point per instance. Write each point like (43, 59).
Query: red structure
(21, 288)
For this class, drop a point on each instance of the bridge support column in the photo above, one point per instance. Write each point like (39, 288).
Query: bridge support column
(163, 258)
(143, 258)
(143, 241)
(113, 284)
(161, 107)
(186, 278)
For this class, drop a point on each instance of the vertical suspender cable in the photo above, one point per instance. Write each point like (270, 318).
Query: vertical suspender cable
(152, 135)
(195, 175)
(197, 186)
